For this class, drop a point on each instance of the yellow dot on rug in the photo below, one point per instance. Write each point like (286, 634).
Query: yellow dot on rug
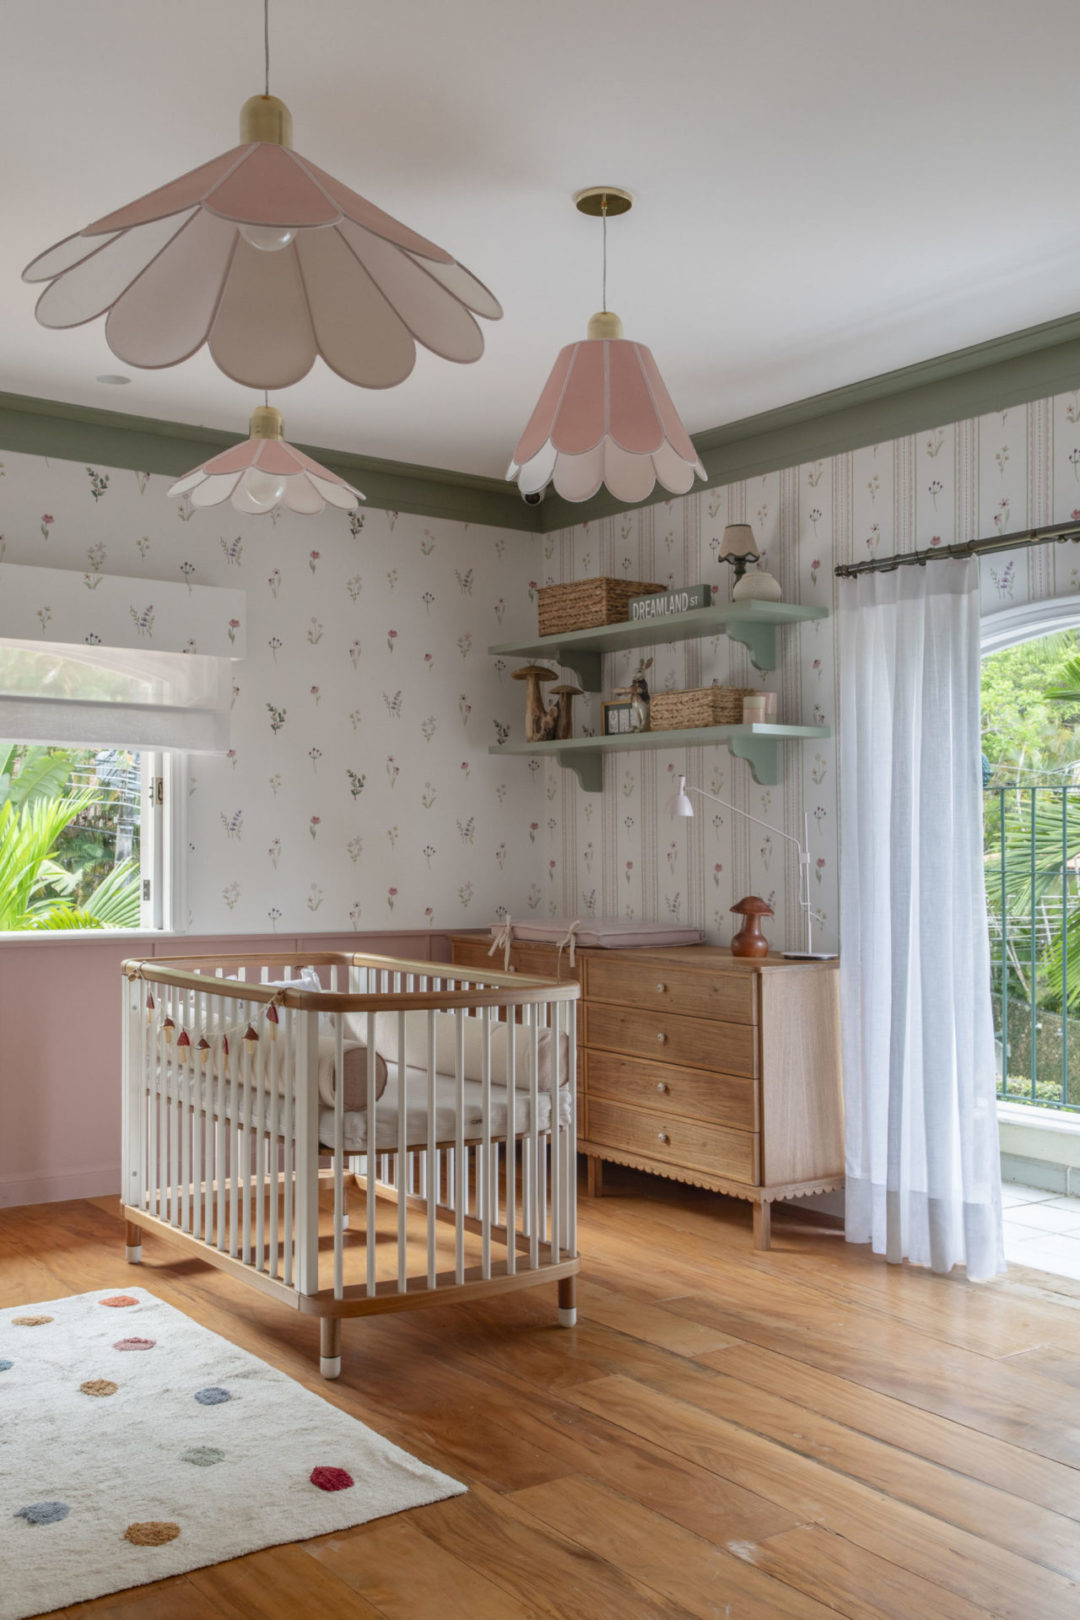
(30, 1321)
(99, 1386)
(151, 1533)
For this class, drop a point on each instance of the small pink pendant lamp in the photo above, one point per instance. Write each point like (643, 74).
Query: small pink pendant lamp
(605, 416)
(269, 261)
(264, 473)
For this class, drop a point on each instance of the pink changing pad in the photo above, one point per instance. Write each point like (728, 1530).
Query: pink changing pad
(609, 933)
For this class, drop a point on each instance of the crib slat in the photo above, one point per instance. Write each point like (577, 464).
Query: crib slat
(537, 1176)
(511, 1154)
(483, 1169)
(461, 1162)
(372, 1123)
(307, 1152)
(554, 1150)
(288, 1128)
(339, 1152)
(432, 1158)
(272, 1150)
(195, 1118)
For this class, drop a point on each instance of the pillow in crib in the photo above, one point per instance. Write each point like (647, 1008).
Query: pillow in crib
(355, 1070)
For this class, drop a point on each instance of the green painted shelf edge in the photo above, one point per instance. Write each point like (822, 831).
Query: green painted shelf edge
(754, 624)
(758, 744)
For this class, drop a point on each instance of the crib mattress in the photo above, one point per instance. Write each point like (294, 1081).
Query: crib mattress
(355, 1131)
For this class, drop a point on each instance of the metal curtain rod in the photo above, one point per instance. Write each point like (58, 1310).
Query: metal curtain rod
(965, 548)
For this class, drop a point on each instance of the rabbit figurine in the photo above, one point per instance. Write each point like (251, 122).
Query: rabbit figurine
(638, 693)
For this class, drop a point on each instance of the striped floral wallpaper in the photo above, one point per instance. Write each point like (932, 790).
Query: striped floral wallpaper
(358, 791)
(619, 853)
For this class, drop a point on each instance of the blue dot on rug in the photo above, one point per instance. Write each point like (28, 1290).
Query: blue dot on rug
(213, 1396)
(43, 1512)
(202, 1456)
(5, 1366)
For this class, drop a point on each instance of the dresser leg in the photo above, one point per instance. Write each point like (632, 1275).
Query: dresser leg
(595, 1182)
(762, 1225)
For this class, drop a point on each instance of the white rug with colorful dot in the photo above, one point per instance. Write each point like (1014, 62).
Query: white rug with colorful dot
(135, 1444)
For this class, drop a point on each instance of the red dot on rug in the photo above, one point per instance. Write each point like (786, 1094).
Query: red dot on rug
(331, 1479)
(134, 1344)
(119, 1299)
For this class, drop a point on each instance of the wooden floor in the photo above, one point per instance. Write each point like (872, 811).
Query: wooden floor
(727, 1434)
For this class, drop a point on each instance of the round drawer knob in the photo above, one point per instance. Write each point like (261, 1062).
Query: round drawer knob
(661, 1037)
(661, 988)
(664, 1137)
(661, 1085)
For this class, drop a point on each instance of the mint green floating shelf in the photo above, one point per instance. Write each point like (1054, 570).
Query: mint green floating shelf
(754, 624)
(758, 744)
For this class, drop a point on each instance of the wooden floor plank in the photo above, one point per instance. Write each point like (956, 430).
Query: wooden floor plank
(975, 1568)
(853, 1581)
(279, 1583)
(406, 1576)
(703, 1577)
(1034, 1532)
(996, 1462)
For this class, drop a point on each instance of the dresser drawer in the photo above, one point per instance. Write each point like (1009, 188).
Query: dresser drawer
(672, 987)
(699, 1042)
(687, 1143)
(715, 1099)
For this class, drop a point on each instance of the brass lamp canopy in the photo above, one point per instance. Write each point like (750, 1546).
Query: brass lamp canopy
(266, 422)
(265, 118)
(605, 324)
(600, 200)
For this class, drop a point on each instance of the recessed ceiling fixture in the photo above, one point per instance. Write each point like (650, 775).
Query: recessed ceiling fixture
(113, 378)
(263, 473)
(604, 416)
(270, 261)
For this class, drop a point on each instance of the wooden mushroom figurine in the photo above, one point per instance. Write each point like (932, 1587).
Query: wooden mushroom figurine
(564, 695)
(750, 941)
(535, 712)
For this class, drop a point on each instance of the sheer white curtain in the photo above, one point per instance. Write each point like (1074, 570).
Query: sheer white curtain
(923, 1167)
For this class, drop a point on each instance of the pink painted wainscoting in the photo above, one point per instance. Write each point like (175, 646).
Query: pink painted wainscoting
(60, 1046)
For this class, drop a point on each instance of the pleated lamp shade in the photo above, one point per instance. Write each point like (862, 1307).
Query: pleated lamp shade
(605, 417)
(269, 261)
(263, 473)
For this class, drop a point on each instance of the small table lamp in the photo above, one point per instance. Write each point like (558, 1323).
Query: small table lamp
(681, 806)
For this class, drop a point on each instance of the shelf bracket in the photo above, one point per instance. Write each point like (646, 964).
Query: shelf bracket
(585, 665)
(587, 765)
(759, 638)
(761, 754)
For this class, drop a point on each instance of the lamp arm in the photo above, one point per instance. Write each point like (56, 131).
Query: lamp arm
(804, 854)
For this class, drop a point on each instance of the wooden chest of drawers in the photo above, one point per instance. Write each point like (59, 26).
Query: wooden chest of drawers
(699, 1066)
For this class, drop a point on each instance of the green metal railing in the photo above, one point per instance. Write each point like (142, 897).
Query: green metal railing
(1032, 854)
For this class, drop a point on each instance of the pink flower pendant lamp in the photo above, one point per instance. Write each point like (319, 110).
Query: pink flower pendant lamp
(269, 261)
(264, 473)
(605, 416)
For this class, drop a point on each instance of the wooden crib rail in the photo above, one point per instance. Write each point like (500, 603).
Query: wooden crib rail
(486, 989)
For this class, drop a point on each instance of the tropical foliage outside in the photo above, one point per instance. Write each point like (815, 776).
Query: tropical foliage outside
(69, 855)
(1031, 711)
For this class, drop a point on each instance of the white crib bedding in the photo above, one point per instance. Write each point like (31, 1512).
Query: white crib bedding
(176, 1085)
(355, 1133)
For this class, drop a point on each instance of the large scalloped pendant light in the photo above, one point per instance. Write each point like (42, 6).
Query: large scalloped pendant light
(264, 473)
(269, 261)
(604, 416)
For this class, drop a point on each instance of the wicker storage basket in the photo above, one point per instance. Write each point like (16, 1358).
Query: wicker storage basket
(701, 706)
(585, 603)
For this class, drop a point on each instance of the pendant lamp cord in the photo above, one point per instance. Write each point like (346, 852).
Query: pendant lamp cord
(603, 275)
(266, 43)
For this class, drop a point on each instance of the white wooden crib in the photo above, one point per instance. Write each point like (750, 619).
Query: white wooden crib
(241, 1074)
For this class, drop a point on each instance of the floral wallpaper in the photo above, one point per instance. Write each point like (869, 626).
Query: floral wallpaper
(619, 853)
(358, 791)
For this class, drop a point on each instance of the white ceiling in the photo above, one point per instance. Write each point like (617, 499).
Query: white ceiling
(825, 189)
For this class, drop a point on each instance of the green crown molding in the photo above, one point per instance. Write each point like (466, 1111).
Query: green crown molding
(47, 427)
(1012, 370)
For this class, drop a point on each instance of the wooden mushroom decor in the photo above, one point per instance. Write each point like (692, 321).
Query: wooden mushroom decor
(564, 695)
(750, 941)
(535, 711)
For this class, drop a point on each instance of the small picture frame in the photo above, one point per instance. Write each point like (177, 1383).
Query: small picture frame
(616, 717)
